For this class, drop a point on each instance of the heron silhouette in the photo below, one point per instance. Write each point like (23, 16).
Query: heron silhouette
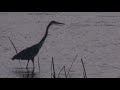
(30, 52)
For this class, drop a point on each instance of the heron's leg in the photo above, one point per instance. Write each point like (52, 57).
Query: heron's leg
(33, 63)
(32, 73)
(27, 64)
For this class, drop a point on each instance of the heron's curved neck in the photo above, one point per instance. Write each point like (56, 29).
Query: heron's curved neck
(46, 33)
(47, 30)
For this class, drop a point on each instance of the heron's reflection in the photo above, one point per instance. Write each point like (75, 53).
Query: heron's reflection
(25, 72)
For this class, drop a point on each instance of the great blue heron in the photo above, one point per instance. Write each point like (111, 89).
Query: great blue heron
(30, 52)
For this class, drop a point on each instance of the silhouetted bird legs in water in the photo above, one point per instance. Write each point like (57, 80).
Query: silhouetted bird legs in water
(27, 64)
(32, 63)
(29, 73)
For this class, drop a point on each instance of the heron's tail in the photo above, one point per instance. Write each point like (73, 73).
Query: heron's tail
(13, 58)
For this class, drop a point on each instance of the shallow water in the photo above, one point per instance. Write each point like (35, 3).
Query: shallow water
(94, 36)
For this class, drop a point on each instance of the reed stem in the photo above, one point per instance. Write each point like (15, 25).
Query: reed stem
(84, 70)
(15, 49)
(71, 65)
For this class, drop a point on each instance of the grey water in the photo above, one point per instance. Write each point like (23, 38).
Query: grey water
(94, 36)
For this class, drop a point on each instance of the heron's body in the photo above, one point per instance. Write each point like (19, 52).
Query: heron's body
(27, 53)
(30, 52)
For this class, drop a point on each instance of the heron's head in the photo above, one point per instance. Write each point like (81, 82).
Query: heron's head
(56, 23)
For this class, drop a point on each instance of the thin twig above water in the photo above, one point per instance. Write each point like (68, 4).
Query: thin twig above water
(71, 65)
(15, 49)
(84, 70)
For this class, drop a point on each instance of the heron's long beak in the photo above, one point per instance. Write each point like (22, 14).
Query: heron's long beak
(60, 23)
